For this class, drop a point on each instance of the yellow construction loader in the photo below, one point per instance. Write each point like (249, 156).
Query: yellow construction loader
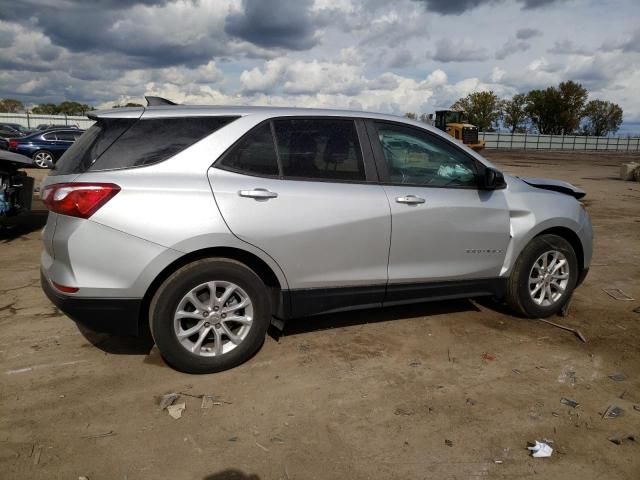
(456, 124)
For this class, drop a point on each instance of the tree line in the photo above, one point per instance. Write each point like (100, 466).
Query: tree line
(561, 110)
(11, 105)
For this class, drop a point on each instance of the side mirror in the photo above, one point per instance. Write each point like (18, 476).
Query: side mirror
(493, 179)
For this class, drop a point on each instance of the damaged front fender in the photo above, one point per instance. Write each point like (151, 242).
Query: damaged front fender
(555, 186)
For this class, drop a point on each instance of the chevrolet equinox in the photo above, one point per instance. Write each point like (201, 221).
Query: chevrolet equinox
(203, 224)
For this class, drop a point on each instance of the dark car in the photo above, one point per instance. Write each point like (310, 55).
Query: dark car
(6, 132)
(48, 126)
(16, 127)
(45, 147)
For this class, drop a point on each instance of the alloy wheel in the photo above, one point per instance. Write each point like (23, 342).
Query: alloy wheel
(43, 159)
(213, 318)
(548, 278)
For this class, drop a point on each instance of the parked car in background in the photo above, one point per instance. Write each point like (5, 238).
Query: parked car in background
(7, 132)
(47, 126)
(47, 146)
(205, 223)
(17, 127)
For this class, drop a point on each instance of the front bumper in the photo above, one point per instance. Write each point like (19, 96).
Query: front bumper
(118, 316)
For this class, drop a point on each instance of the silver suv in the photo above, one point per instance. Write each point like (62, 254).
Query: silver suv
(204, 224)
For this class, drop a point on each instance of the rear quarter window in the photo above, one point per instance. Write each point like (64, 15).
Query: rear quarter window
(125, 142)
(157, 139)
(91, 144)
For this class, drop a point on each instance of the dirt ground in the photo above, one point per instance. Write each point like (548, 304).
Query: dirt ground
(449, 390)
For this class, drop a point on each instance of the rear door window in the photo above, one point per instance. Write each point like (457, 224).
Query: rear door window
(325, 148)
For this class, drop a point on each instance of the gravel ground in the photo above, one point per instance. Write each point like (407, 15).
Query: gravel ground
(440, 390)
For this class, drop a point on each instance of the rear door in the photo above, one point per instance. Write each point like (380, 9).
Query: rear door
(304, 191)
(444, 227)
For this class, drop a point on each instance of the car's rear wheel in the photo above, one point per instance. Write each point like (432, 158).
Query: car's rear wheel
(210, 315)
(543, 277)
(43, 158)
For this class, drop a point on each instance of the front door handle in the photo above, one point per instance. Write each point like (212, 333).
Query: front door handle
(258, 193)
(410, 200)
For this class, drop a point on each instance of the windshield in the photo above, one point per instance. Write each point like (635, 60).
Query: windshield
(456, 117)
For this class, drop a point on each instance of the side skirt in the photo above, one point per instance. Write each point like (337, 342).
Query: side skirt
(314, 301)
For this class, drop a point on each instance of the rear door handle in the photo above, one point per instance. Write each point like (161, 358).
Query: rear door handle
(258, 193)
(410, 200)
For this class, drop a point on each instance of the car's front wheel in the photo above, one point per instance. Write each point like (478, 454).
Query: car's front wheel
(210, 315)
(543, 277)
(43, 159)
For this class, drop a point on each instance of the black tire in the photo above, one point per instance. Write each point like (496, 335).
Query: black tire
(518, 296)
(47, 152)
(173, 289)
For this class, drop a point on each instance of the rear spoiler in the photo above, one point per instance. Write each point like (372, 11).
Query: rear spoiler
(130, 112)
(158, 101)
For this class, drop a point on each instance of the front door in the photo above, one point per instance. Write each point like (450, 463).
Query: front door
(444, 228)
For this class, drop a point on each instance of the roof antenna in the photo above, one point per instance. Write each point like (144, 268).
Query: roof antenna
(158, 101)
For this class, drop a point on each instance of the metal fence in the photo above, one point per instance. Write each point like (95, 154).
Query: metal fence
(30, 120)
(525, 141)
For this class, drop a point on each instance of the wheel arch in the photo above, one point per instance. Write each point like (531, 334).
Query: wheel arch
(252, 261)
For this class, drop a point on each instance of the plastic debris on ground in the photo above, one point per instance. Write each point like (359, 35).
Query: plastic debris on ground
(175, 411)
(540, 450)
(488, 356)
(617, 294)
(168, 400)
(208, 401)
(569, 402)
(613, 412)
(619, 439)
(618, 377)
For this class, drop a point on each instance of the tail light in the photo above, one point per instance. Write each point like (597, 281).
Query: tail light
(13, 143)
(78, 199)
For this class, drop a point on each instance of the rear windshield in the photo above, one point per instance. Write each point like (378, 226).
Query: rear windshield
(129, 142)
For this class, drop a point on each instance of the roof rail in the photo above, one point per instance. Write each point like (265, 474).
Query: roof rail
(157, 101)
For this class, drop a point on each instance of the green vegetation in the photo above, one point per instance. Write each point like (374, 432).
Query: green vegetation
(561, 110)
(10, 105)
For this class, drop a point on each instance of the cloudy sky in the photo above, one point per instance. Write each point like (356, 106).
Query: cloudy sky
(382, 55)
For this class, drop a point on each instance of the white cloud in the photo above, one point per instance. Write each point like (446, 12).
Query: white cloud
(373, 54)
